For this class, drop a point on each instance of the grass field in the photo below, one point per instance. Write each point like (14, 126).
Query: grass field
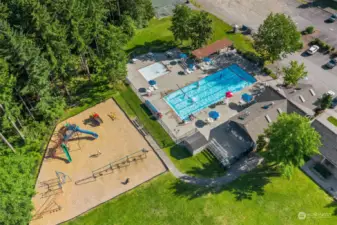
(158, 37)
(256, 199)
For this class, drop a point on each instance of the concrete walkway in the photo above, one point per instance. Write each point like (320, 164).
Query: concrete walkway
(243, 166)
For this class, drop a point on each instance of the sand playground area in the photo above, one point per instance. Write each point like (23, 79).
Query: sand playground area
(101, 168)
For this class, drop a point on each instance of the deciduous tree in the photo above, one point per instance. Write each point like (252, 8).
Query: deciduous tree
(277, 36)
(202, 30)
(291, 138)
(294, 72)
(181, 22)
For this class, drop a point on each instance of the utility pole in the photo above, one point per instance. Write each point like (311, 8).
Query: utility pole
(9, 144)
(14, 125)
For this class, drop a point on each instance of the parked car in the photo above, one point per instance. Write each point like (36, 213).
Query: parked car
(312, 50)
(334, 103)
(332, 18)
(332, 63)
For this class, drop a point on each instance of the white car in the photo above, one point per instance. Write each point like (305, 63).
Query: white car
(313, 49)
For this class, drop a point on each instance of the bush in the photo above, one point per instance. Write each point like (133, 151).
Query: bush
(267, 70)
(261, 142)
(310, 30)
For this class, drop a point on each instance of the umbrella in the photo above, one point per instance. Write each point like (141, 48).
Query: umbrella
(152, 82)
(229, 94)
(247, 97)
(191, 66)
(206, 59)
(183, 56)
(214, 115)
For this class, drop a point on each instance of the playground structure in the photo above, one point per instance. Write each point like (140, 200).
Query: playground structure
(118, 164)
(96, 118)
(65, 134)
(118, 139)
(54, 187)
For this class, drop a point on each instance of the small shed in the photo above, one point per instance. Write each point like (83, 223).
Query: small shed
(195, 143)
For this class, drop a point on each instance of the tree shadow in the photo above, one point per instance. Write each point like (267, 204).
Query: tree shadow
(253, 183)
(153, 46)
(243, 188)
(179, 152)
(89, 138)
(234, 106)
(211, 168)
(333, 204)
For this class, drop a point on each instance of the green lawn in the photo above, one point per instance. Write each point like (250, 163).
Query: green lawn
(132, 106)
(158, 37)
(257, 198)
(332, 120)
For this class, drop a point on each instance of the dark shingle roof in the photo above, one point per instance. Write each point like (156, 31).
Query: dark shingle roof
(328, 139)
(269, 105)
(195, 141)
(304, 92)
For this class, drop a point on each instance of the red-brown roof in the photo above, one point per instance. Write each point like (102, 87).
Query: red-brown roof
(212, 48)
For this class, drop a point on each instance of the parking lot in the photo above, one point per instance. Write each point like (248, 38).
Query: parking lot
(252, 13)
(322, 79)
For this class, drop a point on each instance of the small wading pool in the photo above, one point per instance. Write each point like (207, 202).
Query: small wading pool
(207, 91)
(153, 71)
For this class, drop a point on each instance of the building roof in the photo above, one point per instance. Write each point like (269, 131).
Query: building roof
(269, 105)
(212, 48)
(195, 141)
(304, 97)
(328, 139)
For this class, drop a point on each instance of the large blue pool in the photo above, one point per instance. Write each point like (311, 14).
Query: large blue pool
(209, 90)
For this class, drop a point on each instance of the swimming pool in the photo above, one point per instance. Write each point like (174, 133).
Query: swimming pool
(209, 90)
(153, 71)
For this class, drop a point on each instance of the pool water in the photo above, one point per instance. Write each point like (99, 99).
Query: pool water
(209, 90)
(153, 71)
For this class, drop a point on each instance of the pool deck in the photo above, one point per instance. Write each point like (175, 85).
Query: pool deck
(169, 83)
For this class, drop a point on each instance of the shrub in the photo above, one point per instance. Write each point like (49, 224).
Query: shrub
(261, 142)
(267, 70)
(310, 29)
(326, 101)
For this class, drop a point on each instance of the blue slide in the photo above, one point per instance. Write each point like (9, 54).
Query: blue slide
(86, 132)
(75, 128)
